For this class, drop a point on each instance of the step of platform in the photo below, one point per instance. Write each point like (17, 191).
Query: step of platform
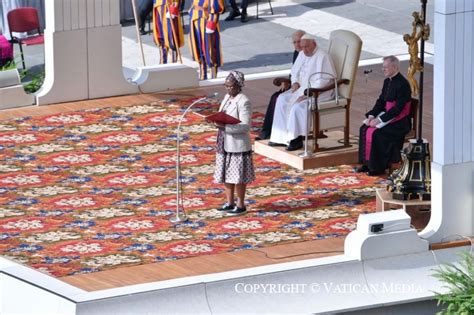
(339, 156)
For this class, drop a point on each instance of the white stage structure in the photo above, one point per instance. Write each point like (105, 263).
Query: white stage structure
(452, 168)
(83, 55)
(84, 61)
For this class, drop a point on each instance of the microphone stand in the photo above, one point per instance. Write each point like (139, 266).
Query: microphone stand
(311, 104)
(180, 213)
(306, 153)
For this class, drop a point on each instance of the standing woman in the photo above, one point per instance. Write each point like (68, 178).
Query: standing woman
(204, 35)
(234, 165)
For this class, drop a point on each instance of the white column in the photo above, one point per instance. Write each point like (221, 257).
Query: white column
(453, 132)
(104, 42)
(83, 45)
(65, 55)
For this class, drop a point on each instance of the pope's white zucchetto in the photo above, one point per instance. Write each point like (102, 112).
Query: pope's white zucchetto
(308, 36)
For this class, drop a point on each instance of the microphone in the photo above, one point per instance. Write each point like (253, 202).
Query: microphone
(366, 73)
(213, 95)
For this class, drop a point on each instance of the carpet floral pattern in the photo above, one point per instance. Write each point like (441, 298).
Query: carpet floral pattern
(93, 190)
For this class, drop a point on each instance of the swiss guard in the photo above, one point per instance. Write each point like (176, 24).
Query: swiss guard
(168, 30)
(204, 35)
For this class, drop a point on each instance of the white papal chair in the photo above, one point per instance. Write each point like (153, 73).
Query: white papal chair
(344, 48)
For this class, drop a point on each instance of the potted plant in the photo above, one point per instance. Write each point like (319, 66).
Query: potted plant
(459, 280)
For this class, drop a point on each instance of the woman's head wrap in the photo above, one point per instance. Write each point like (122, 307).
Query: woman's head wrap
(237, 77)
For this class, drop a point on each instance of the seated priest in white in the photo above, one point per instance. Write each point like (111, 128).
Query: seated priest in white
(313, 68)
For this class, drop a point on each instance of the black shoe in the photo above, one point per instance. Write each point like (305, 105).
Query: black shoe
(237, 211)
(375, 173)
(362, 169)
(273, 144)
(294, 147)
(143, 32)
(321, 135)
(295, 144)
(244, 17)
(226, 207)
(262, 136)
(232, 15)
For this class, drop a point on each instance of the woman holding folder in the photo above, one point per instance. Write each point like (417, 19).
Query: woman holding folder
(234, 165)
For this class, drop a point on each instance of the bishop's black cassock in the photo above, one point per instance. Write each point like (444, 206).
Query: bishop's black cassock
(378, 147)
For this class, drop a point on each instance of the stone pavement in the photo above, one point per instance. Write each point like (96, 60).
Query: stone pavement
(264, 44)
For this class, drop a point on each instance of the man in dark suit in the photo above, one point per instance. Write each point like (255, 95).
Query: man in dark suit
(236, 12)
(144, 9)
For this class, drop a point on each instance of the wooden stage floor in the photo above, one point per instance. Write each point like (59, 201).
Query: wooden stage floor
(367, 88)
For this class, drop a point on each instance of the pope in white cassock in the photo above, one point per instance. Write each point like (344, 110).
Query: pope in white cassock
(291, 109)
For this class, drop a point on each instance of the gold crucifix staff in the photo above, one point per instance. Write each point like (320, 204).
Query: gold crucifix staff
(419, 31)
(413, 179)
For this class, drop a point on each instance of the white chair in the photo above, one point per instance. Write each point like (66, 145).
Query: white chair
(344, 48)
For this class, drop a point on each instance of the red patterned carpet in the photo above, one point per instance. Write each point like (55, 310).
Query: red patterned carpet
(94, 190)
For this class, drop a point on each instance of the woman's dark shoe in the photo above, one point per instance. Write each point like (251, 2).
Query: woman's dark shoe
(237, 211)
(226, 207)
(232, 15)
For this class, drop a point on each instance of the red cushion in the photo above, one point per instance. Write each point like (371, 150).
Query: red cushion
(23, 19)
(33, 40)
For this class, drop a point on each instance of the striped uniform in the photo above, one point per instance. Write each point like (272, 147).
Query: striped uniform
(167, 31)
(206, 48)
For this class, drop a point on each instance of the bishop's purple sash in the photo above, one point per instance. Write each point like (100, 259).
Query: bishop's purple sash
(370, 130)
